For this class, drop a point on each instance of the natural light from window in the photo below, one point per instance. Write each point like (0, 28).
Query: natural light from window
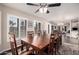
(17, 26)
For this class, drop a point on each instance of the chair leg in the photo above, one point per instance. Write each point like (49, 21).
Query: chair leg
(22, 45)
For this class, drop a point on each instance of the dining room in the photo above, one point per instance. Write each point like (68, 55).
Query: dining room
(39, 29)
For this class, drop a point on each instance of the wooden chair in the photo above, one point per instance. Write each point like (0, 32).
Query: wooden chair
(60, 38)
(54, 44)
(57, 43)
(51, 45)
(14, 48)
(30, 33)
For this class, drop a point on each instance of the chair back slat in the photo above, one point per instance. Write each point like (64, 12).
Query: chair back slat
(13, 44)
(51, 45)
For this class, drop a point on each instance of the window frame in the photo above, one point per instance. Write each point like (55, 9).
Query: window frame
(20, 25)
(8, 26)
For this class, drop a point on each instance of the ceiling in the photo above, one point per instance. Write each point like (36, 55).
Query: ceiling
(63, 13)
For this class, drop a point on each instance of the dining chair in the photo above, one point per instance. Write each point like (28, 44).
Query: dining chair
(60, 38)
(54, 43)
(57, 42)
(51, 45)
(30, 33)
(14, 48)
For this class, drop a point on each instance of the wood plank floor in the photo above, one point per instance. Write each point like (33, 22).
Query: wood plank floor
(67, 48)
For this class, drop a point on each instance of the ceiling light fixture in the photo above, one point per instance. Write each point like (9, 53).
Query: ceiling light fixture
(43, 10)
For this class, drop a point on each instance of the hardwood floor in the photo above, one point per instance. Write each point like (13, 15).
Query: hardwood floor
(66, 49)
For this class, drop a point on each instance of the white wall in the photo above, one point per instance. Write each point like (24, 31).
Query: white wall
(6, 10)
(0, 27)
(0, 30)
(64, 13)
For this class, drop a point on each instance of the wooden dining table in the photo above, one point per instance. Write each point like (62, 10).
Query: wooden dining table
(38, 43)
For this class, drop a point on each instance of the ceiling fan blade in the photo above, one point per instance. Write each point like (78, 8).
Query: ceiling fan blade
(36, 10)
(32, 4)
(54, 5)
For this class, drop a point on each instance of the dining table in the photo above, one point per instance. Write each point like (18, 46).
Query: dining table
(38, 42)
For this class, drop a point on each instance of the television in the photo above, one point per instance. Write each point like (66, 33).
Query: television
(74, 29)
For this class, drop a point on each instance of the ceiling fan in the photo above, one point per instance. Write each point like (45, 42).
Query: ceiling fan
(44, 6)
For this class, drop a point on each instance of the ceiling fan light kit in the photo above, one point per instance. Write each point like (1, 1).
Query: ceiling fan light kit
(44, 6)
(43, 10)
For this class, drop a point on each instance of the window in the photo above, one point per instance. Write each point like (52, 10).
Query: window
(30, 25)
(14, 25)
(17, 25)
(37, 26)
(52, 28)
(22, 28)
